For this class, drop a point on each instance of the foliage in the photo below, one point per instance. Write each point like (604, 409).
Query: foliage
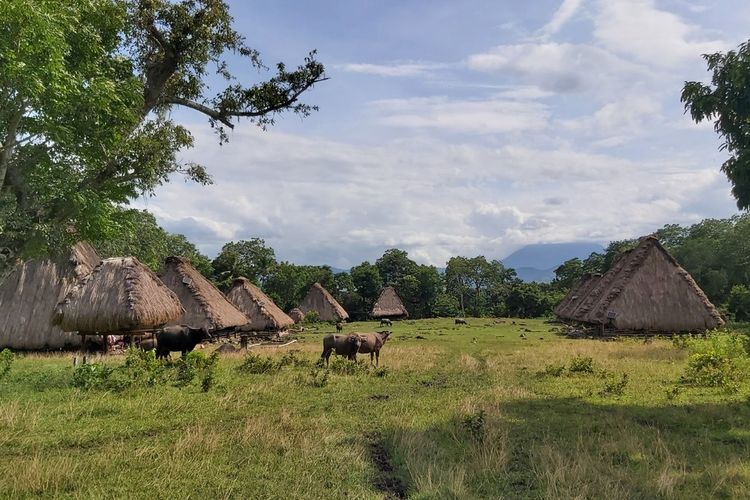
(287, 284)
(738, 303)
(614, 386)
(6, 362)
(255, 364)
(725, 102)
(719, 360)
(475, 424)
(581, 364)
(554, 369)
(89, 376)
(250, 259)
(312, 317)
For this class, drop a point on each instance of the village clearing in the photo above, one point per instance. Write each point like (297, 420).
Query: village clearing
(497, 408)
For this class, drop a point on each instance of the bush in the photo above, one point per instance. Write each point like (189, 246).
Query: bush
(719, 360)
(581, 364)
(316, 377)
(312, 317)
(89, 376)
(341, 366)
(6, 361)
(293, 359)
(255, 364)
(553, 370)
(474, 423)
(614, 387)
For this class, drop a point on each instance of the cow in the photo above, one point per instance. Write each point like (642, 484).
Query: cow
(461, 321)
(372, 343)
(181, 338)
(386, 322)
(343, 345)
(339, 327)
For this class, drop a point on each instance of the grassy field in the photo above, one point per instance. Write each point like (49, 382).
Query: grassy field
(475, 411)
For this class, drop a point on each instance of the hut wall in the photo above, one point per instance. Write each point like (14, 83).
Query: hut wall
(316, 300)
(570, 309)
(659, 297)
(574, 295)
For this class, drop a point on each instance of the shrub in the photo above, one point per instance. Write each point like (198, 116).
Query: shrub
(474, 423)
(255, 364)
(553, 370)
(89, 376)
(614, 387)
(719, 360)
(312, 317)
(293, 359)
(6, 361)
(341, 366)
(581, 364)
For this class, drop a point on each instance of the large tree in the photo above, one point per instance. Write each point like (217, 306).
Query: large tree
(250, 259)
(726, 102)
(86, 87)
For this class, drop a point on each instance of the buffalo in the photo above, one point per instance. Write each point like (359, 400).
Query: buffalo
(386, 322)
(460, 321)
(372, 343)
(179, 338)
(343, 345)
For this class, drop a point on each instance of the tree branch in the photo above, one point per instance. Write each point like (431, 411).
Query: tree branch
(212, 113)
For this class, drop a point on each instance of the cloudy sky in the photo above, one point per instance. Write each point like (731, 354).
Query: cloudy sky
(465, 128)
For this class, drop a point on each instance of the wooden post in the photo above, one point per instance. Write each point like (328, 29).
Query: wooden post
(243, 341)
(83, 347)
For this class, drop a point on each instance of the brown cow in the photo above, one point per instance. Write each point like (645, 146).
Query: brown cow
(344, 345)
(372, 343)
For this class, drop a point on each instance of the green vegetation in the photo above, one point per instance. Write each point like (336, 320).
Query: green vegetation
(473, 411)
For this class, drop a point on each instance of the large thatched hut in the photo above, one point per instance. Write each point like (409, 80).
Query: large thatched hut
(264, 314)
(577, 293)
(120, 295)
(28, 297)
(318, 299)
(205, 306)
(647, 290)
(389, 305)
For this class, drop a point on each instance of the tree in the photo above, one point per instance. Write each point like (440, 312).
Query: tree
(86, 87)
(395, 264)
(457, 280)
(251, 259)
(568, 273)
(368, 283)
(726, 101)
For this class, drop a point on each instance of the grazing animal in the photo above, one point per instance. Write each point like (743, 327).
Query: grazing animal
(372, 343)
(460, 321)
(179, 338)
(386, 322)
(343, 345)
(226, 349)
(339, 327)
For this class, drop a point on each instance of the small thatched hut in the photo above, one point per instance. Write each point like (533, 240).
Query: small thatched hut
(264, 314)
(647, 290)
(389, 305)
(28, 297)
(205, 306)
(120, 295)
(318, 299)
(297, 315)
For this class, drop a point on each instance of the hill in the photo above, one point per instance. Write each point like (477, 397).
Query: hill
(538, 262)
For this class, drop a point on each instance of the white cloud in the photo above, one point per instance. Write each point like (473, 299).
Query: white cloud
(393, 70)
(562, 15)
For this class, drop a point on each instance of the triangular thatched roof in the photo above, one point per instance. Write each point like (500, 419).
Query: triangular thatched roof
(646, 289)
(318, 299)
(29, 294)
(205, 306)
(297, 315)
(264, 314)
(389, 305)
(576, 295)
(119, 295)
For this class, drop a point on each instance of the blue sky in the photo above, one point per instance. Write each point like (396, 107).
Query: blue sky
(465, 128)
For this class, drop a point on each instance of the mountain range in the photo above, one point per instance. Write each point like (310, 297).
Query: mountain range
(538, 262)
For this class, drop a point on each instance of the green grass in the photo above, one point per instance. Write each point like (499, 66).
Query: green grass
(457, 412)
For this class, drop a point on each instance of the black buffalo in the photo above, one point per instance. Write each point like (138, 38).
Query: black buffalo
(179, 338)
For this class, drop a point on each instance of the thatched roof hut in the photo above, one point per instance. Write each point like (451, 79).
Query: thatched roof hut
(264, 314)
(119, 295)
(647, 290)
(205, 306)
(576, 295)
(29, 294)
(297, 315)
(318, 299)
(389, 305)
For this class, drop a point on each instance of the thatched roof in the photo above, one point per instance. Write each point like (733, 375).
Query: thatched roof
(647, 289)
(576, 295)
(264, 314)
(389, 305)
(29, 294)
(318, 299)
(119, 295)
(205, 306)
(297, 315)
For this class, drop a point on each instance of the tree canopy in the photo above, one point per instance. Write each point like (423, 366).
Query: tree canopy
(85, 91)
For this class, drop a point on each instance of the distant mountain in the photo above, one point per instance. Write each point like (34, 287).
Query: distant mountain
(538, 262)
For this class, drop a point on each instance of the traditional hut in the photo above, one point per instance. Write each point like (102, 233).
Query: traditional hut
(647, 290)
(205, 306)
(577, 293)
(318, 299)
(389, 305)
(297, 315)
(31, 291)
(264, 314)
(120, 295)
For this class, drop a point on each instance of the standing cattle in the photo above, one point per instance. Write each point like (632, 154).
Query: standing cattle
(386, 322)
(339, 327)
(372, 343)
(179, 338)
(343, 345)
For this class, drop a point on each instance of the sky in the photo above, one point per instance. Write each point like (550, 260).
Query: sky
(464, 128)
